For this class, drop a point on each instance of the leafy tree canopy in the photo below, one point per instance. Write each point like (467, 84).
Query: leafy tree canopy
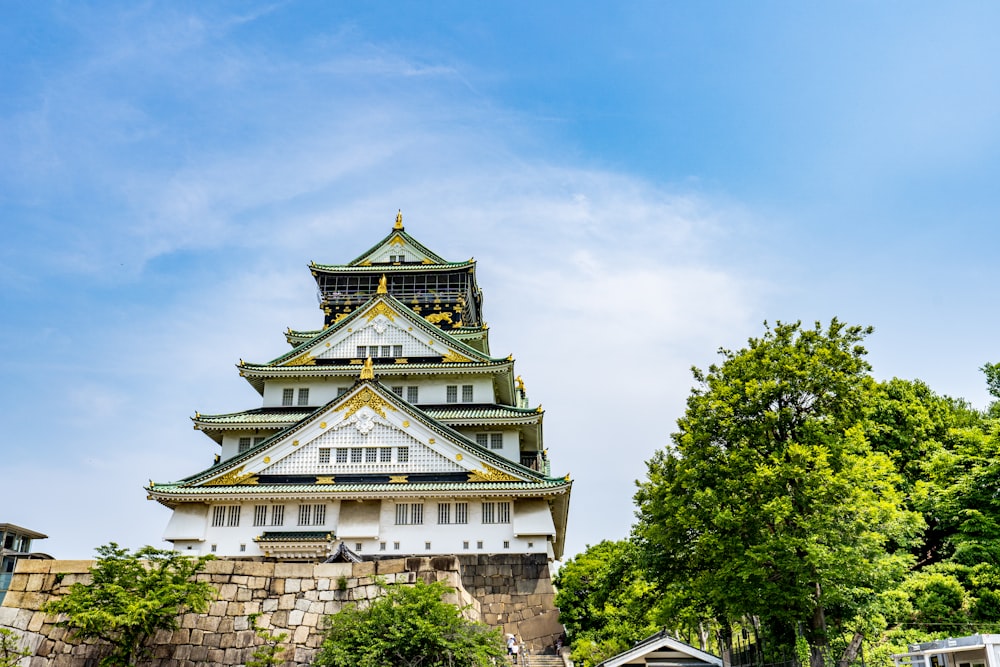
(410, 626)
(130, 597)
(771, 502)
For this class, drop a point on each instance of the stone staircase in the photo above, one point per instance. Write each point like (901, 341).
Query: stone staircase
(541, 660)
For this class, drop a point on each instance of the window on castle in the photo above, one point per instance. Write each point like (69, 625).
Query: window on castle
(398, 391)
(427, 546)
(444, 512)
(362, 351)
(506, 544)
(287, 395)
(319, 515)
(397, 350)
(381, 546)
(260, 515)
(402, 455)
(371, 455)
(341, 391)
(385, 454)
(465, 544)
(491, 440)
(257, 440)
(451, 393)
(244, 444)
(408, 514)
(278, 515)
(461, 512)
(324, 454)
(467, 393)
(305, 515)
(341, 454)
(496, 512)
(356, 453)
(386, 350)
(304, 396)
(233, 516)
(218, 516)
(411, 392)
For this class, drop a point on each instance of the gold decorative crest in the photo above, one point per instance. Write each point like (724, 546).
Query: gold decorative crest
(454, 357)
(304, 360)
(382, 286)
(381, 308)
(491, 474)
(438, 318)
(325, 480)
(234, 477)
(398, 479)
(397, 240)
(366, 398)
(367, 371)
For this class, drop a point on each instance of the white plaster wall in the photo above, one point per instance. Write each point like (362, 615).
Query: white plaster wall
(445, 539)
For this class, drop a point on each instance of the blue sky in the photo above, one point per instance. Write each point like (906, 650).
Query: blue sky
(641, 182)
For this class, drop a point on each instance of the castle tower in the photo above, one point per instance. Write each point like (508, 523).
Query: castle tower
(391, 431)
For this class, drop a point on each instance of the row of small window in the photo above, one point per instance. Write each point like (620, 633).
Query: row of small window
(451, 393)
(382, 546)
(407, 514)
(364, 454)
(229, 515)
(491, 440)
(380, 351)
(412, 514)
(288, 396)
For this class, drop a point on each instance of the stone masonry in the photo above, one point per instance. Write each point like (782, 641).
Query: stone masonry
(511, 592)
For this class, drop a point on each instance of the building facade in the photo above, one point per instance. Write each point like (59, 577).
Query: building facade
(391, 430)
(15, 545)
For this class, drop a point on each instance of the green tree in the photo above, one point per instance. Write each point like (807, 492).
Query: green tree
(605, 601)
(11, 650)
(770, 504)
(269, 653)
(409, 626)
(130, 597)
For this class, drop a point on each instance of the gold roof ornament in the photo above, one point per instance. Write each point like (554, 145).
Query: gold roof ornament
(399, 220)
(520, 383)
(367, 372)
(382, 286)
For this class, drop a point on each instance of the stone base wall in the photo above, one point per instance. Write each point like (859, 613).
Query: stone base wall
(505, 591)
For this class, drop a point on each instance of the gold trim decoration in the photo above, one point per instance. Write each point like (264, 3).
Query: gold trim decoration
(402, 360)
(427, 260)
(406, 423)
(381, 308)
(235, 477)
(267, 459)
(304, 360)
(431, 441)
(438, 318)
(367, 371)
(399, 220)
(397, 240)
(454, 357)
(491, 474)
(367, 262)
(325, 480)
(399, 479)
(382, 286)
(458, 457)
(322, 424)
(520, 383)
(295, 443)
(366, 398)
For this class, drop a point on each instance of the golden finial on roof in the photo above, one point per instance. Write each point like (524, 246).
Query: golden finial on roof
(399, 220)
(520, 383)
(367, 373)
(197, 414)
(382, 288)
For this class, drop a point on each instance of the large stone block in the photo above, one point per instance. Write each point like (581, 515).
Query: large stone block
(219, 566)
(333, 570)
(363, 569)
(293, 585)
(393, 566)
(293, 570)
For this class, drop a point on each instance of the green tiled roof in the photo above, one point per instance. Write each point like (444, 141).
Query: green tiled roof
(386, 490)
(404, 311)
(283, 416)
(296, 536)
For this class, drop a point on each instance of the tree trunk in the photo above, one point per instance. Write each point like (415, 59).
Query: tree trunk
(851, 652)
